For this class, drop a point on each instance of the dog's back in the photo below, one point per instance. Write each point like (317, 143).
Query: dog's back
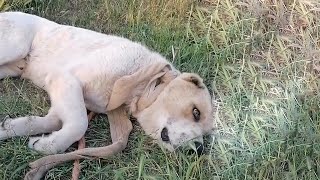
(48, 44)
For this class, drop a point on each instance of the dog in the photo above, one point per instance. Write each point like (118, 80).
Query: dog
(81, 69)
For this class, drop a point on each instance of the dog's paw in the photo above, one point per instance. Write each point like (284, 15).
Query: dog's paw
(4, 127)
(3, 119)
(43, 144)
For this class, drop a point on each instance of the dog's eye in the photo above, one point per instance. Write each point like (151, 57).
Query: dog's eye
(196, 114)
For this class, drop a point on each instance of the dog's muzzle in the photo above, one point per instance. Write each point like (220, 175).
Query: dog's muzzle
(194, 146)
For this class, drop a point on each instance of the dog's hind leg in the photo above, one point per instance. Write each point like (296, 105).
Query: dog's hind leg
(16, 36)
(68, 104)
(17, 32)
(12, 69)
(32, 125)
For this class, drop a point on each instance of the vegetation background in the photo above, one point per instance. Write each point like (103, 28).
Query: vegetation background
(260, 58)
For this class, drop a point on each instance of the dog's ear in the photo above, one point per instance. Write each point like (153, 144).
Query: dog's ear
(128, 86)
(194, 79)
(152, 90)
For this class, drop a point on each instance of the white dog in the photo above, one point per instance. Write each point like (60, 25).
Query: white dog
(82, 69)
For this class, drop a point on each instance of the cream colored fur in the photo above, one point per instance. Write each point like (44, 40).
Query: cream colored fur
(81, 69)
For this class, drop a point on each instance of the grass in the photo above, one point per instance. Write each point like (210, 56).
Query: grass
(259, 58)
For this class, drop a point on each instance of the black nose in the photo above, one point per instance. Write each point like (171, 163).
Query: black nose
(164, 135)
(199, 147)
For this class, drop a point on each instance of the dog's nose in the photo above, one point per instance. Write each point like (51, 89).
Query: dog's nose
(164, 135)
(199, 147)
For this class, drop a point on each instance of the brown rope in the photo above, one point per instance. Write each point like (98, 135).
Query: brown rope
(81, 145)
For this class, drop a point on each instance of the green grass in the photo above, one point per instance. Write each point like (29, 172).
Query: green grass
(257, 57)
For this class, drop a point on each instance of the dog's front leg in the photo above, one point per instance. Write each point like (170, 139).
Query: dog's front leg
(120, 127)
(68, 105)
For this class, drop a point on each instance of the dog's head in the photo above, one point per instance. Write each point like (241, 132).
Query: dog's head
(172, 108)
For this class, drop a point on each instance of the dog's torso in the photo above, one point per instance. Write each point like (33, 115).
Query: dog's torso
(95, 59)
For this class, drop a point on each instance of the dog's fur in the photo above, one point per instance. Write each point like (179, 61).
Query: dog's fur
(82, 69)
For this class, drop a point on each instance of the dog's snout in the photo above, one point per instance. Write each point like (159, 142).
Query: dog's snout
(165, 135)
(199, 147)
